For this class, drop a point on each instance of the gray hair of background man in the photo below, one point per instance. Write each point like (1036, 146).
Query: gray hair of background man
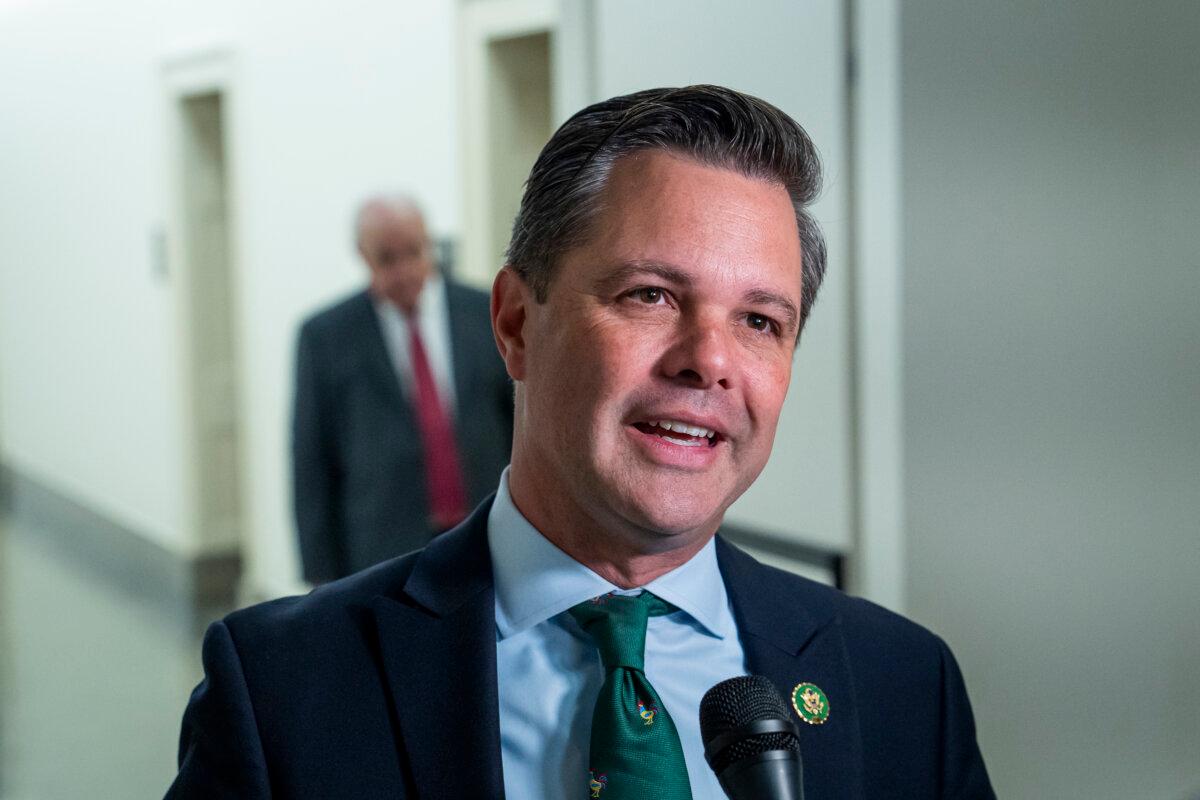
(715, 126)
(394, 203)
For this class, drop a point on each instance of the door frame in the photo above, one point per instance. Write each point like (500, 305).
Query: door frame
(479, 24)
(183, 75)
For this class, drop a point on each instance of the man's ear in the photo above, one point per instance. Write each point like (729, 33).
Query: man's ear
(511, 297)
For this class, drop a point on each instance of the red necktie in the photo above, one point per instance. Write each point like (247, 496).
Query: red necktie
(443, 476)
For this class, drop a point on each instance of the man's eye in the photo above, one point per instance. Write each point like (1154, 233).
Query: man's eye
(761, 323)
(649, 294)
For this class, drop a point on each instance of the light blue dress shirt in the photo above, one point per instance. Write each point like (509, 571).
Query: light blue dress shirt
(549, 672)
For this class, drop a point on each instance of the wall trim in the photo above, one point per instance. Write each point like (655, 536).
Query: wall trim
(125, 558)
(877, 569)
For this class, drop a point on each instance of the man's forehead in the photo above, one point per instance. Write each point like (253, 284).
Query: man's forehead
(387, 222)
(662, 199)
(648, 187)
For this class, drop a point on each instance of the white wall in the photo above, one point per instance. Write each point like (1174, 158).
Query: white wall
(329, 101)
(1052, 365)
(84, 330)
(806, 491)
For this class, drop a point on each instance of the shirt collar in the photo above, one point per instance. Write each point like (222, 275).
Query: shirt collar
(536, 581)
(431, 301)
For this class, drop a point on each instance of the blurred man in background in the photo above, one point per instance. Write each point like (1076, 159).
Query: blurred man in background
(392, 385)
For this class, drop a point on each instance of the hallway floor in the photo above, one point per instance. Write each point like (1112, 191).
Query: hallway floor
(93, 676)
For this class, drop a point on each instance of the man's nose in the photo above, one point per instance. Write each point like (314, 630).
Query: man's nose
(702, 355)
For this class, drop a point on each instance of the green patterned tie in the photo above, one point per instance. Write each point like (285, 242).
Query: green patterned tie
(635, 751)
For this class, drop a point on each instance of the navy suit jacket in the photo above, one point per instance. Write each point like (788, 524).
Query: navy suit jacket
(358, 469)
(383, 685)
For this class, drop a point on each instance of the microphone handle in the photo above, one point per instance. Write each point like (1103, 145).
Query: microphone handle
(773, 775)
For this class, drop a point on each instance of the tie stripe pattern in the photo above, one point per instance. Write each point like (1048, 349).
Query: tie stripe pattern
(635, 751)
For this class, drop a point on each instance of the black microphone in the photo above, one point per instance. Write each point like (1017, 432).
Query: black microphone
(750, 740)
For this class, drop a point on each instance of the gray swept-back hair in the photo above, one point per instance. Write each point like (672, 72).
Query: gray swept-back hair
(715, 126)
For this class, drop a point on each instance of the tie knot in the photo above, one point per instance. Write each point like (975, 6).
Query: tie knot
(617, 624)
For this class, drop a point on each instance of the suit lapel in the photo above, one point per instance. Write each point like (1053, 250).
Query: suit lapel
(437, 639)
(791, 634)
(437, 642)
(376, 361)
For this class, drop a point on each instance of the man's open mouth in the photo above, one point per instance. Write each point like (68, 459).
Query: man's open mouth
(680, 433)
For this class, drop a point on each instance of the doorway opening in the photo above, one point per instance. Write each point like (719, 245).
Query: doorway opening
(207, 293)
(519, 121)
(511, 54)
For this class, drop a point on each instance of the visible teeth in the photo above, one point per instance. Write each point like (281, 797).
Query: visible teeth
(683, 427)
(683, 442)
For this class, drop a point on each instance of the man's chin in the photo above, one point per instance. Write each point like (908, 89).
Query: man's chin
(669, 522)
(662, 507)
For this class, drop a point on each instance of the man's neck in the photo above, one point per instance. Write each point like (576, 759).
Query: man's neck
(620, 553)
(628, 571)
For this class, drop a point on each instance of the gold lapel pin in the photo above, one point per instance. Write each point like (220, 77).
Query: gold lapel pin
(810, 703)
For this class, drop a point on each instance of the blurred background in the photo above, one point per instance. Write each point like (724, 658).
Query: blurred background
(994, 426)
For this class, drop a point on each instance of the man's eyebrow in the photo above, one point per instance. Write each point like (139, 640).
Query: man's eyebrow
(623, 272)
(786, 307)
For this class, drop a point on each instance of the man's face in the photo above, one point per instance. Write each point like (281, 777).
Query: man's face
(681, 311)
(396, 249)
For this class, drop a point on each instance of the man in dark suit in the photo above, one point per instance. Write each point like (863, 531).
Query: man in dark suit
(403, 411)
(558, 642)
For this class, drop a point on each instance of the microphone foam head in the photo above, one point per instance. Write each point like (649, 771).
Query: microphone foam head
(736, 702)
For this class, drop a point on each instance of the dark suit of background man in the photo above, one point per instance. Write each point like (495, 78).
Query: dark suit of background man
(403, 410)
(557, 644)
